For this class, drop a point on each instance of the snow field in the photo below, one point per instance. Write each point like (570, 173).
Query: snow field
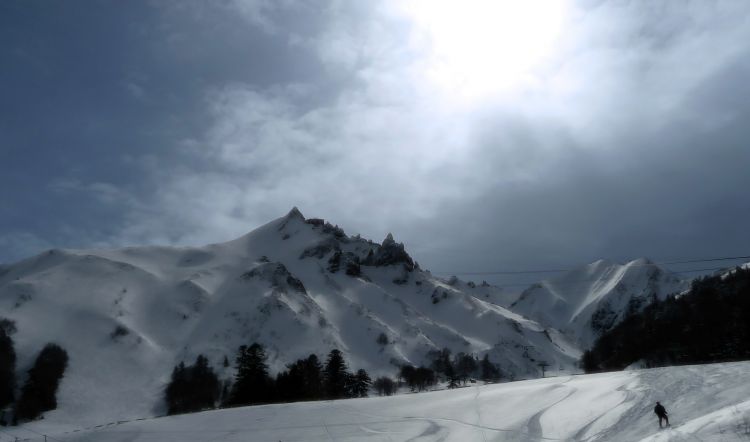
(706, 403)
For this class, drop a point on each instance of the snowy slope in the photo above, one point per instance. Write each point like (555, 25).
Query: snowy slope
(587, 301)
(501, 296)
(705, 403)
(127, 316)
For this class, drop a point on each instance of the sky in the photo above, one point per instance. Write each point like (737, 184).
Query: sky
(485, 135)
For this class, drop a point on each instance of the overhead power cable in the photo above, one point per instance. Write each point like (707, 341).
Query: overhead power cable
(690, 261)
(579, 281)
(523, 272)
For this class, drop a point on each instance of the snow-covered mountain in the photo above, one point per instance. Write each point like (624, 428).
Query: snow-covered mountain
(299, 286)
(587, 301)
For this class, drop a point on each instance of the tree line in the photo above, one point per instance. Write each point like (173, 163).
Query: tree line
(197, 387)
(454, 370)
(39, 391)
(710, 323)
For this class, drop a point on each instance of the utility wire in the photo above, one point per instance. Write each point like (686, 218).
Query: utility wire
(578, 281)
(690, 261)
(522, 272)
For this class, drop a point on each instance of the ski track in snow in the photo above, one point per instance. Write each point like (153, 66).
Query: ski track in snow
(706, 403)
(534, 426)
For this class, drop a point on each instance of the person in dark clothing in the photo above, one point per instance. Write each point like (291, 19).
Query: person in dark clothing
(662, 413)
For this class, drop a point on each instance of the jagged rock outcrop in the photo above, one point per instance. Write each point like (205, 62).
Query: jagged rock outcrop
(389, 253)
(277, 274)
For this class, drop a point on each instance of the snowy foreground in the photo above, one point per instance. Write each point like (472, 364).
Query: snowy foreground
(706, 403)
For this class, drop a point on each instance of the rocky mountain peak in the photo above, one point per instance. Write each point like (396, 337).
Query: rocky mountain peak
(295, 213)
(388, 240)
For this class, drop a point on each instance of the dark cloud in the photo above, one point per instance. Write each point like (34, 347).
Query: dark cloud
(187, 122)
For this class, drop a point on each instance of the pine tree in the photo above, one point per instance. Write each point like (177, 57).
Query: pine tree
(335, 376)
(441, 359)
(252, 383)
(465, 365)
(226, 386)
(384, 386)
(192, 388)
(300, 381)
(312, 371)
(408, 374)
(7, 369)
(176, 389)
(489, 371)
(362, 383)
(450, 374)
(39, 392)
(287, 388)
(425, 378)
(205, 384)
(350, 382)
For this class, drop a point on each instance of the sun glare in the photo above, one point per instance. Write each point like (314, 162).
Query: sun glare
(481, 47)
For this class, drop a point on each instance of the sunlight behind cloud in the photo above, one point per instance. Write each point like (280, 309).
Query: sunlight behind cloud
(481, 47)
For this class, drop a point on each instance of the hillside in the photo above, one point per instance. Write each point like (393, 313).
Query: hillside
(708, 323)
(298, 286)
(706, 403)
(588, 301)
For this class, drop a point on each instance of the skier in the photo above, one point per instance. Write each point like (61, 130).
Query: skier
(662, 413)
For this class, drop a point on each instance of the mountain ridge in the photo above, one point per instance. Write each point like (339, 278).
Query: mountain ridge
(296, 285)
(593, 298)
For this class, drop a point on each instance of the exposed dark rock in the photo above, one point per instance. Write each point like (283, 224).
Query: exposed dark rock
(389, 253)
(327, 228)
(435, 296)
(334, 262)
(526, 293)
(119, 332)
(292, 215)
(295, 213)
(353, 268)
(321, 249)
(277, 274)
(295, 284)
(336, 231)
(347, 260)
(22, 299)
(382, 339)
